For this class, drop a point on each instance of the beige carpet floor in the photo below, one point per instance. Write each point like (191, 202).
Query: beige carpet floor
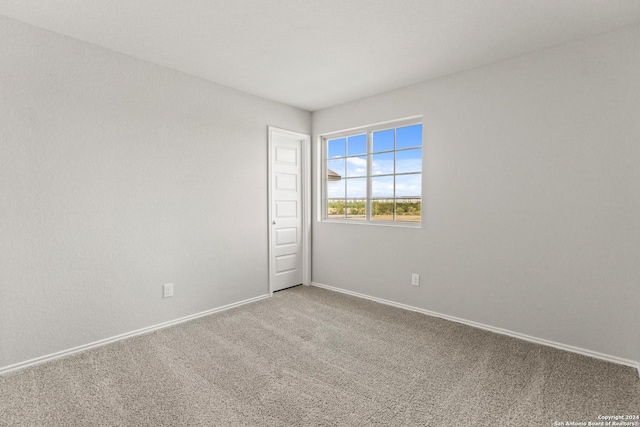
(312, 357)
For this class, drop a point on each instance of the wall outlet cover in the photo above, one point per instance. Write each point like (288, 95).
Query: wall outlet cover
(415, 279)
(167, 290)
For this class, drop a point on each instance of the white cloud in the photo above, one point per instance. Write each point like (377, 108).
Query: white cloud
(408, 185)
(382, 167)
(356, 166)
(357, 161)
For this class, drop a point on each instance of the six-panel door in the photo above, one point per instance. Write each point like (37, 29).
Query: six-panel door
(286, 211)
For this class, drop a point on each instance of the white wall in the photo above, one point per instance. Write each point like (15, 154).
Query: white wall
(531, 191)
(117, 176)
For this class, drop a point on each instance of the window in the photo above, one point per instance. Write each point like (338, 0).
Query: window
(374, 174)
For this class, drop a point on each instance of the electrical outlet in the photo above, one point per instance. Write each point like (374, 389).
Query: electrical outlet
(415, 279)
(167, 290)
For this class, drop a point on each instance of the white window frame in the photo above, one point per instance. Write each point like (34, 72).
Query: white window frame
(369, 130)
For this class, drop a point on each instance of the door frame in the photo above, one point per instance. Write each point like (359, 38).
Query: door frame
(305, 156)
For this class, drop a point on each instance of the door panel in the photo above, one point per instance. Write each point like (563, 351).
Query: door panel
(285, 209)
(286, 236)
(287, 155)
(286, 181)
(286, 263)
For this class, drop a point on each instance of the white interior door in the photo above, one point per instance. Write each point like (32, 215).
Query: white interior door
(287, 234)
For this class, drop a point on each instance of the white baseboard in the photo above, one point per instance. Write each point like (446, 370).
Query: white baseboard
(63, 353)
(560, 346)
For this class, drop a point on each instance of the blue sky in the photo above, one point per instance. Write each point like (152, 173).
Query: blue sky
(406, 137)
(347, 157)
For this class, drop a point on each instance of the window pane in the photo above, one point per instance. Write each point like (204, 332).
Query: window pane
(382, 210)
(382, 164)
(357, 145)
(357, 166)
(356, 209)
(409, 161)
(336, 148)
(336, 166)
(408, 210)
(409, 186)
(335, 189)
(336, 208)
(410, 136)
(382, 187)
(383, 140)
(356, 188)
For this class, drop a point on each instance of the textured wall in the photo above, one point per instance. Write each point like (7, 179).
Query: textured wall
(531, 191)
(117, 176)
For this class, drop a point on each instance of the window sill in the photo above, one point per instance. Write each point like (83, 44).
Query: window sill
(374, 223)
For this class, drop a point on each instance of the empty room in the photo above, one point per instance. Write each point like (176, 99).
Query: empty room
(320, 213)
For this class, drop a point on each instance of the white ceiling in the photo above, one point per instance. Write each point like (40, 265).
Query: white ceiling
(318, 53)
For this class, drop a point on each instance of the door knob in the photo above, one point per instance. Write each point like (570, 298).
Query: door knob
(273, 222)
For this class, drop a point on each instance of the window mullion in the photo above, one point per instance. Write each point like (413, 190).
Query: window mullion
(369, 174)
(325, 190)
(395, 156)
